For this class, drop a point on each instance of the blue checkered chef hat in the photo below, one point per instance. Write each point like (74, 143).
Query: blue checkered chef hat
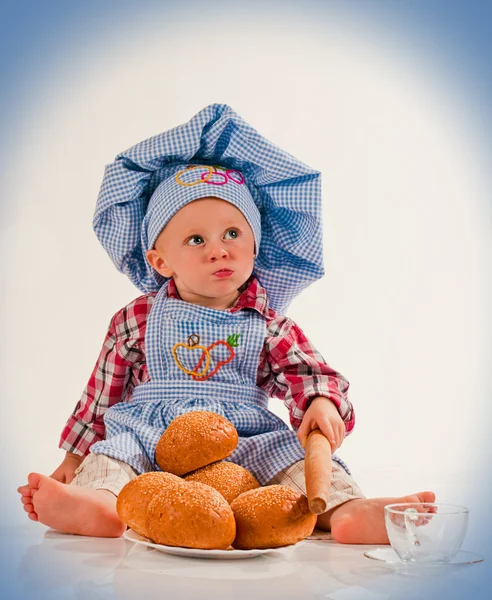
(215, 154)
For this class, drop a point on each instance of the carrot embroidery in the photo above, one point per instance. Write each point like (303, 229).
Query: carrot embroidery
(194, 343)
(231, 343)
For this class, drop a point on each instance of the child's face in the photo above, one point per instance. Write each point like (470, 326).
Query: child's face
(208, 248)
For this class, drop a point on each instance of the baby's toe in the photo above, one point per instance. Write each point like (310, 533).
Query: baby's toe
(427, 496)
(26, 499)
(28, 508)
(33, 516)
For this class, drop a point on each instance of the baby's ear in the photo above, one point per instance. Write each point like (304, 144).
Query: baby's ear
(157, 262)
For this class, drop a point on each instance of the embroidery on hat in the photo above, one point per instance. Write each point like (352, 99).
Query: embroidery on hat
(194, 343)
(212, 171)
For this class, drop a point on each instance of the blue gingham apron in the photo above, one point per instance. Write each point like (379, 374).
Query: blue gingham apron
(266, 444)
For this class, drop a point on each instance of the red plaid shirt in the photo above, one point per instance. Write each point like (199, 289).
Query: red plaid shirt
(290, 368)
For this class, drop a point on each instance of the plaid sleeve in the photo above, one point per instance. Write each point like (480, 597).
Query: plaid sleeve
(120, 366)
(292, 370)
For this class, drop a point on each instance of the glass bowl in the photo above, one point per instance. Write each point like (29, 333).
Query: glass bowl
(425, 532)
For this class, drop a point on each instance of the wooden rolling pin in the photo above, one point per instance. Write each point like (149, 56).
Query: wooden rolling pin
(318, 471)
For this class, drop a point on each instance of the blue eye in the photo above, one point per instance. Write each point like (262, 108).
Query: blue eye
(195, 240)
(233, 233)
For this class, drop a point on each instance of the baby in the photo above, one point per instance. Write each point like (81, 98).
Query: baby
(219, 251)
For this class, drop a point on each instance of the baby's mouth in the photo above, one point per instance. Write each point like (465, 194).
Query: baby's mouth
(223, 273)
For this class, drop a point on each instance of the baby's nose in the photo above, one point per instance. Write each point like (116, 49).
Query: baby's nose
(217, 252)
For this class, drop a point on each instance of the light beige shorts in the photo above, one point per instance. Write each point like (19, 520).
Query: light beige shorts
(103, 473)
(100, 472)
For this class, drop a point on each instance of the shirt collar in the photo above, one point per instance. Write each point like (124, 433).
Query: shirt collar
(254, 295)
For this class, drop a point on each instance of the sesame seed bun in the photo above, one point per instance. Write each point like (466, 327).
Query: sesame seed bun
(194, 440)
(270, 517)
(229, 479)
(192, 515)
(134, 498)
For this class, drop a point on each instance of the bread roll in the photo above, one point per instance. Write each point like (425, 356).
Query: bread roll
(135, 497)
(192, 515)
(194, 440)
(229, 479)
(270, 517)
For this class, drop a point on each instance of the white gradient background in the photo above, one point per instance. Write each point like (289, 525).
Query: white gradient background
(400, 136)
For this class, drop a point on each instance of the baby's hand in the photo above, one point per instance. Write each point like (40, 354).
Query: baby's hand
(66, 471)
(323, 414)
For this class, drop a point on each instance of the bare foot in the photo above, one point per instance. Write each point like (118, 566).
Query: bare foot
(70, 508)
(361, 521)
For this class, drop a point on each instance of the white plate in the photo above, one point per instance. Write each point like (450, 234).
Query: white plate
(389, 558)
(132, 536)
